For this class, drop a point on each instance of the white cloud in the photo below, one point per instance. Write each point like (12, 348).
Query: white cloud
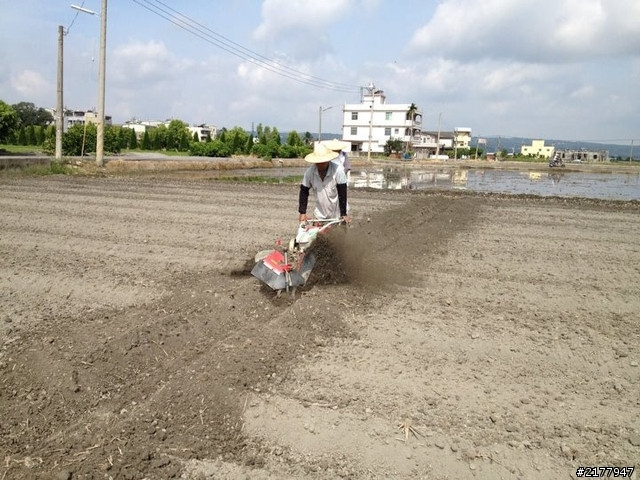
(499, 78)
(282, 18)
(32, 84)
(535, 30)
(583, 93)
(149, 62)
(302, 25)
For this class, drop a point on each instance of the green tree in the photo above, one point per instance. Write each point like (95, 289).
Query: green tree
(78, 139)
(50, 132)
(30, 132)
(49, 139)
(40, 135)
(22, 136)
(275, 136)
(171, 140)
(393, 145)
(8, 121)
(215, 148)
(146, 140)
(159, 138)
(308, 138)
(196, 137)
(133, 138)
(412, 111)
(112, 139)
(261, 150)
(184, 142)
(294, 139)
(28, 114)
(265, 136)
(237, 140)
(249, 145)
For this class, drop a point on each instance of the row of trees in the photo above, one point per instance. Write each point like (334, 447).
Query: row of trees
(25, 124)
(265, 143)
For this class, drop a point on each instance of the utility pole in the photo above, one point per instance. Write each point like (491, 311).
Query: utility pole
(60, 102)
(455, 143)
(631, 153)
(320, 110)
(370, 131)
(438, 141)
(101, 85)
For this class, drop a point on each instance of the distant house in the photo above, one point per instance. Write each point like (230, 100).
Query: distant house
(537, 149)
(140, 127)
(79, 117)
(204, 131)
(434, 143)
(368, 125)
(587, 156)
(462, 136)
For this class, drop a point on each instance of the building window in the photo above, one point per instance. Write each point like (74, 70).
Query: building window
(354, 115)
(354, 130)
(387, 115)
(387, 131)
(396, 131)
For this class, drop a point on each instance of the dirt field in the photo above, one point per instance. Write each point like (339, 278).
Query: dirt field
(458, 336)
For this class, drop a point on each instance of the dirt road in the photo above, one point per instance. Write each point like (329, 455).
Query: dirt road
(459, 336)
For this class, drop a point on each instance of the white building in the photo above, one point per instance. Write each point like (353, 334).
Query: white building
(204, 131)
(435, 143)
(140, 127)
(462, 136)
(538, 149)
(370, 124)
(79, 117)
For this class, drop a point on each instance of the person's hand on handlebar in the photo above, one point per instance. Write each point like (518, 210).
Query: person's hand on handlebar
(303, 218)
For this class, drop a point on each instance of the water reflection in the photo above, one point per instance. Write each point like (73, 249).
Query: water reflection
(396, 179)
(551, 182)
(385, 179)
(619, 186)
(555, 177)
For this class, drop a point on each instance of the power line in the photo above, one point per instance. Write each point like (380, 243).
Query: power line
(201, 31)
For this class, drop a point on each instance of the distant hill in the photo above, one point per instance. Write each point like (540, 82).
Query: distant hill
(513, 144)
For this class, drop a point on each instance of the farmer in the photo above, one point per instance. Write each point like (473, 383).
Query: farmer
(339, 147)
(329, 183)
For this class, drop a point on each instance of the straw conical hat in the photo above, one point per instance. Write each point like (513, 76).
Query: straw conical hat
(335, 145)
(321, 154)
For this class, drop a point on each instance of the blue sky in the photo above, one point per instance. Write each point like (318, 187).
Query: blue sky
(554, 69)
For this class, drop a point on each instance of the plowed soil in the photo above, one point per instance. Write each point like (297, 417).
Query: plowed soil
(442, 336)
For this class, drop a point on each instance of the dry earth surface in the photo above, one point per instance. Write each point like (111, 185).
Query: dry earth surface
(445, 336)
